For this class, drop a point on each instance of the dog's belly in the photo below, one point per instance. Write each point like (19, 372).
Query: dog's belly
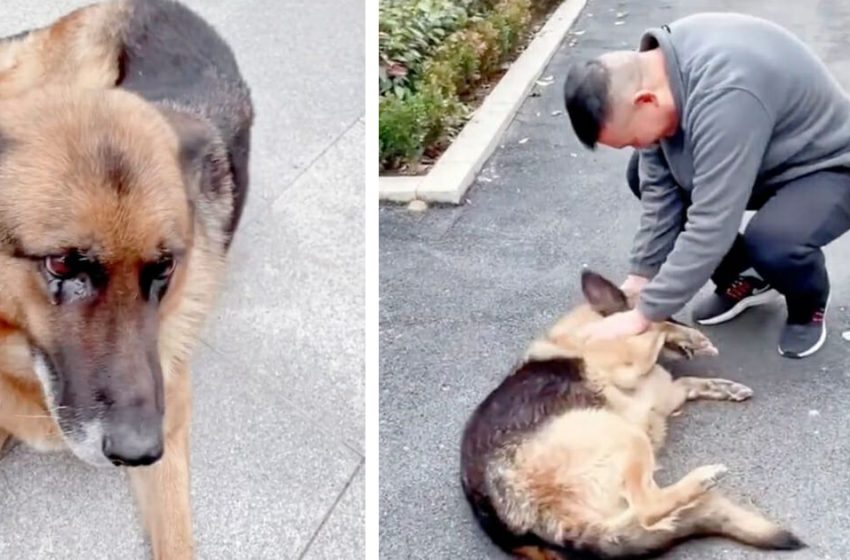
(650, 397)
(578, 457)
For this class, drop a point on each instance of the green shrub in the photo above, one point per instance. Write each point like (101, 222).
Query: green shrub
(407, 126)
(511, 19)
(454, 67)
(434, 54)
(408, 33)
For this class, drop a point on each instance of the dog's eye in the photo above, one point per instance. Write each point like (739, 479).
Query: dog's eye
(164, 267)
(70, 276)
(62, 266)
(156, 276)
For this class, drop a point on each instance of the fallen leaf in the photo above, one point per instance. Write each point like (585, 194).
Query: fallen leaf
(556, 113)
(397, 70)
(523, 141)
(417, 205)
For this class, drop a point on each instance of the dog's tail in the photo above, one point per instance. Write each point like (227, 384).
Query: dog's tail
(540, 551)
(527, 546)
(716, 515)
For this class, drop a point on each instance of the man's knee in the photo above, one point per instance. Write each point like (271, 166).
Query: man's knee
(632, 175)
(768, 248)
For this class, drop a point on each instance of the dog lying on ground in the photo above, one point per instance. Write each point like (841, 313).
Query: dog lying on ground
(124, 142)
(558, 461)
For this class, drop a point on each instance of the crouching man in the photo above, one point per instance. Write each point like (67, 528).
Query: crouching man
(727, 113)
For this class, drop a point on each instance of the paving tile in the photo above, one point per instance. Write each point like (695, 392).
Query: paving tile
(295, 296)
(265, 478)
(342, 536)
(304, 62)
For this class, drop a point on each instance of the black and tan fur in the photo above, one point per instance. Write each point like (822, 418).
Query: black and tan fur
(558, 461)
(124, 142)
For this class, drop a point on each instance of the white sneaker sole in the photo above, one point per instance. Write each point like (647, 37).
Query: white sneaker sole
(740, 307)
(818, 344)
(811, 350)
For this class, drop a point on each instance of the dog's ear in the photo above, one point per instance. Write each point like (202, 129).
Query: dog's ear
(603, 296)
(195, 144)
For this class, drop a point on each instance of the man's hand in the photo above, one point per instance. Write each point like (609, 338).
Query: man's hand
(633, 284)
(624, 324)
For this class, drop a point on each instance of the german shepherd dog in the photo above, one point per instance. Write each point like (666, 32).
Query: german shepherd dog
(558, 461)
(124, 141)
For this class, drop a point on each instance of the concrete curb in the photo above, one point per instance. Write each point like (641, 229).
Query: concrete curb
(451, 176)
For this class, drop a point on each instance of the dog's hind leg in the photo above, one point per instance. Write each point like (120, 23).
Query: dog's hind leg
(716, 515)
(711, 515)
(653, 505)
(162, 490)
(714, 389)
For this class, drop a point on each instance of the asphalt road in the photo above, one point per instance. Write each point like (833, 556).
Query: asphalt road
(463, 290)
(277, 443)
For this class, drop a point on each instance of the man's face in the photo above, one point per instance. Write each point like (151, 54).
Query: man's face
(642, 123)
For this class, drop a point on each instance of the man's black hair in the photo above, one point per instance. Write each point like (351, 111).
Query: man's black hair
(586, 98)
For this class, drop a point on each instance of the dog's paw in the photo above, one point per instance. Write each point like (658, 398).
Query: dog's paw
(710, 475)
(708, 350)
(702, 346)
(691, 343)
(732, 390)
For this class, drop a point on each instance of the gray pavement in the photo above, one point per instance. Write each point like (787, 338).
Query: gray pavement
(463, 290)
(278, 432)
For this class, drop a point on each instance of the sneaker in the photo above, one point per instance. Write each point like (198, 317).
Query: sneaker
(727, 302)
(803, 338)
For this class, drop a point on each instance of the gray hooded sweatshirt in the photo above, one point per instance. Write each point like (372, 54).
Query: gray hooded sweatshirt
(757, 108)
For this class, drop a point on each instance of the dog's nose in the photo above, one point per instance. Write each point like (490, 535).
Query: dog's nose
(133, 444)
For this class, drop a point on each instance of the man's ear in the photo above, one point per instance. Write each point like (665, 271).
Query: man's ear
(644, 97)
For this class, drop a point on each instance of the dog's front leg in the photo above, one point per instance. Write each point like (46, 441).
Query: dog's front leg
(162, 490)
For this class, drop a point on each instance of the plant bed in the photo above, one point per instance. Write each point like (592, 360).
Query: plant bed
(439, 59)
(463, 149)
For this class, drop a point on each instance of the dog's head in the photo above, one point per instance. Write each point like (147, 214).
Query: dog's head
(603, 298)
(96, 203)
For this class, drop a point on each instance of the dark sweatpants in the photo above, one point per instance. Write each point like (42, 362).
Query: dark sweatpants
(783, 240)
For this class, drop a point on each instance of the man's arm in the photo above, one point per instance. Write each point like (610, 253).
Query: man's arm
(730, 129)
(662, 215)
